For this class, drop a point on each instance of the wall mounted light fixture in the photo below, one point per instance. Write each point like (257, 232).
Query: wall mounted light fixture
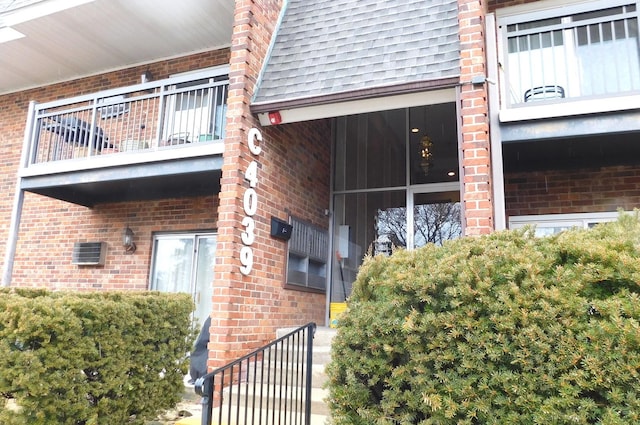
(127, 241)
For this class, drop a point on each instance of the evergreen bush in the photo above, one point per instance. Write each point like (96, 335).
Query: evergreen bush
(502, 329)
(91, 358)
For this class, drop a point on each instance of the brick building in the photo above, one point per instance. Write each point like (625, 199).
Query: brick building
(148, 145)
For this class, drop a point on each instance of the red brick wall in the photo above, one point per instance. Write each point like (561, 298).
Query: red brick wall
(598, 189)
(293, 177)
(476, 163)
(49, 227)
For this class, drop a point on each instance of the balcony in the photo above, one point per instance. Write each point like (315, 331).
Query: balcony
(570, 61)
(152, 140)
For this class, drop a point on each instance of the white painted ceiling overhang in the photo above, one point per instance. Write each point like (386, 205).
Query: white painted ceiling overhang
(67, 39)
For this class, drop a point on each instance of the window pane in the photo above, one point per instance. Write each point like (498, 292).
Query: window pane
(433, 144)
(607, 31)
(594, 33)
(173, 260)
(545, 40)
(364, 223)
(513, 44)
(581, 32)
(437, 218)
(371, 150)
(597, 14)
(204, 278)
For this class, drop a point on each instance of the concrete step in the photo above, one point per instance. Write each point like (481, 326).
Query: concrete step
(290, 374)
(322, 337)
(321, 343)
(275, 396)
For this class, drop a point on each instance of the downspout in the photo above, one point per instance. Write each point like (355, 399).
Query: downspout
(18, 200)
(497, 173)
(460, 160)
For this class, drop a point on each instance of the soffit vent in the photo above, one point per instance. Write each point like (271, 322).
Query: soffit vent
(89, 253)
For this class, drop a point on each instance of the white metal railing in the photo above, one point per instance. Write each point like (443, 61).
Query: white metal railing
(582, 51)
(158, 115)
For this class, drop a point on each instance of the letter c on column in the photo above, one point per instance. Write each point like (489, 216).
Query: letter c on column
(253, 136)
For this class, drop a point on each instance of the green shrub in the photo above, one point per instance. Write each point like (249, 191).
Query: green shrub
(99, 358)
(502, 329)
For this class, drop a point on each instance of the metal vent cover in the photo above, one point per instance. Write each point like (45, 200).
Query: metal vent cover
(89, 253)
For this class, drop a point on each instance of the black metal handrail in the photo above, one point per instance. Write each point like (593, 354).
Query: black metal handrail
(270, 386)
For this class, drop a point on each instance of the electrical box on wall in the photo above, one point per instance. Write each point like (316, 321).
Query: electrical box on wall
(280, 229)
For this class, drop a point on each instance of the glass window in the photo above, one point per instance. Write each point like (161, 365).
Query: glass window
(550, 224)
(184, 263)
(371, 150)
(433, 146)
(437, 217)
(196, 115)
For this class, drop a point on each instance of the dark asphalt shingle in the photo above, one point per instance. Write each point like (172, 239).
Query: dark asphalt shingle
(331, 47)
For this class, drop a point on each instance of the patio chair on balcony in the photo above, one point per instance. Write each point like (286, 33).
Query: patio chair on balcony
(544, 93)
(76, 131)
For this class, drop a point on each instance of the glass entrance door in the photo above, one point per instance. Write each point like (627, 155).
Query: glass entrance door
(395, 186)
(184, 263)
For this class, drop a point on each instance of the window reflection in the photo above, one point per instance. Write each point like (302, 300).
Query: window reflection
(437, 218)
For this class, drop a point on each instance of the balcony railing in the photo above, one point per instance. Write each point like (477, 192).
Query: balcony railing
(152, 116)
(571, 52)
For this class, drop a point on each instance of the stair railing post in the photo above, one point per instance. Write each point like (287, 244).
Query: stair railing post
(204, 388)
(310, 336)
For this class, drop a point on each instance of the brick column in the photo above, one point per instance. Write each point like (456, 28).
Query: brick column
(234, 328)
(474, 111)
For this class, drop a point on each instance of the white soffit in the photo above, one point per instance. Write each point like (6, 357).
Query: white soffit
(68, 39)
(34, 10)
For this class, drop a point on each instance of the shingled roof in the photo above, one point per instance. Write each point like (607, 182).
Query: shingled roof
(341, 49)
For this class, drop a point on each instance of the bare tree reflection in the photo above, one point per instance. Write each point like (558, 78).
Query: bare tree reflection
(391, 228)
(434, 223)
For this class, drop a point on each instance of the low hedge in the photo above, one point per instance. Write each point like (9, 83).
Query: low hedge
(502, 329)
(96, 358)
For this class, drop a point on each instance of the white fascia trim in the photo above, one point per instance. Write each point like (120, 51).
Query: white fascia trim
(570, 108)
(339, 109)
(546, 5)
